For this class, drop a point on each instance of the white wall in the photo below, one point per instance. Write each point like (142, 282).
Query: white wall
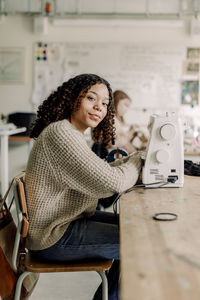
(17, 31)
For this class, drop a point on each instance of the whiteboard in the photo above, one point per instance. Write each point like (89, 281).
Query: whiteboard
(150, 75)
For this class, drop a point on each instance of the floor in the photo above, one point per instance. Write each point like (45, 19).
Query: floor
(68, 286)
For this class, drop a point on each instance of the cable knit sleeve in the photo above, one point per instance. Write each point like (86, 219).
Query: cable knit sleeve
(75, 165)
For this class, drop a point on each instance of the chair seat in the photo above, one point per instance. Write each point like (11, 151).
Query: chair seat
(38, 266)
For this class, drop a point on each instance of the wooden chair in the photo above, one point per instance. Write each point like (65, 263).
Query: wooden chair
(31, 265)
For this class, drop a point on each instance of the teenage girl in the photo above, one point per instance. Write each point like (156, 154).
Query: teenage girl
(64, 178)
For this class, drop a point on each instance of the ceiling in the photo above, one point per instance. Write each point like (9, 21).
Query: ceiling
(131, 9)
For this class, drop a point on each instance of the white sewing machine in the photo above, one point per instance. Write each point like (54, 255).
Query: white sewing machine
(164, 160)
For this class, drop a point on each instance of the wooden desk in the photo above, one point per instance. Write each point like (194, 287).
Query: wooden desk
(160, 260)
(19, 138)
(195, 157)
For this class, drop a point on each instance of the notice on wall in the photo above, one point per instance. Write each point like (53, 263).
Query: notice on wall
(150, 75)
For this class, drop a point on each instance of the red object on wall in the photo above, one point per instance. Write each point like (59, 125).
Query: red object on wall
(47, 7)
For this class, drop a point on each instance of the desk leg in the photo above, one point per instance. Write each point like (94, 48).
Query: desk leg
(30, 145)
(4, 164)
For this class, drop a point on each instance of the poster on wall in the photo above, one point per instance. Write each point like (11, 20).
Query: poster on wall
(190, 77)
(191, 64)
(193, 53)
(191, 67)
(12, 65)
(190, 92)
(48, 71)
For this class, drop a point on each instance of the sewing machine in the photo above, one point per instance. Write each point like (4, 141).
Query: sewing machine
(164, 161)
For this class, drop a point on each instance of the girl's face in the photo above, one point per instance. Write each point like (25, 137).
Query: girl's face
(123, 107)
(93, 108)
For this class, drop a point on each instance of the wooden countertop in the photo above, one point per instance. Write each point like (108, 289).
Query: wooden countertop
(192, 154)
(160, 260)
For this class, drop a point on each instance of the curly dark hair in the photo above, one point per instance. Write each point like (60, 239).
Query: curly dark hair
(66, 99)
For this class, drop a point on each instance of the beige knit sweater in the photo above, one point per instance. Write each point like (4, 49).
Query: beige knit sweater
(64, 180)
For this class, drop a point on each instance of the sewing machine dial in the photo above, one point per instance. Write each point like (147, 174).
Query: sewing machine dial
(167, 131)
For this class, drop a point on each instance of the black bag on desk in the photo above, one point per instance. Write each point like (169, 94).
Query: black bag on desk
(22, 119)
(191, 168)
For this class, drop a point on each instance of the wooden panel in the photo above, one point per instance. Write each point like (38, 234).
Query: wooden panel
(22, 197)
(25, 227)
(160, 260)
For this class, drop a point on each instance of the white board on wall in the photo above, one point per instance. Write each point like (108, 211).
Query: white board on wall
(150, 75)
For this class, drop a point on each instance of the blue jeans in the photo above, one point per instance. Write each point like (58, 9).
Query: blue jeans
(94, 237)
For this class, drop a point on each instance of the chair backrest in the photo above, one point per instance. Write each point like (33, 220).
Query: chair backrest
(22, 215)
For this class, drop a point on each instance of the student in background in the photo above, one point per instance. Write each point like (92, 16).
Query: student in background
(64, 178)
(124, 135)
(129, 138)
(122, 138)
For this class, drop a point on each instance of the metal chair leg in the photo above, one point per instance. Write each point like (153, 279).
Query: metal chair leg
(19, 284)
(104, 285)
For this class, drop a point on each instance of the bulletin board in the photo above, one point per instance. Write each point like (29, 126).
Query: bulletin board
(151, 75)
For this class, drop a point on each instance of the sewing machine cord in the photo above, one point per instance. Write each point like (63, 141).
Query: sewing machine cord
(144, 186)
